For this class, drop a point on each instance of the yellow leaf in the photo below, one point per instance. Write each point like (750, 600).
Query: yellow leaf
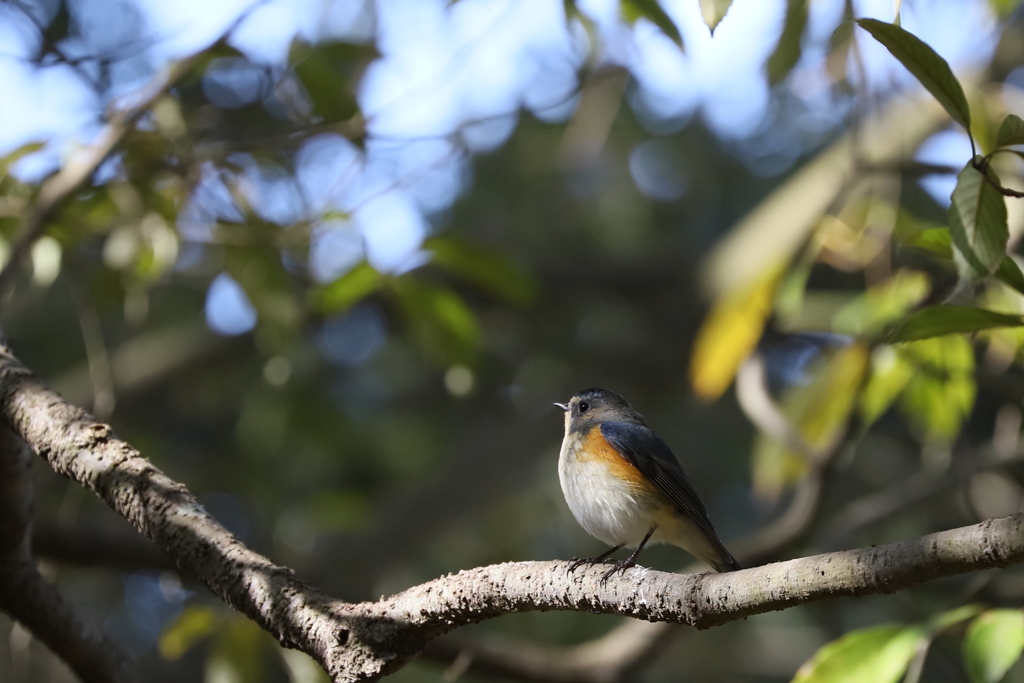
(830, 398)
(192, 625)
(819, 413)
(729, 334)
(774, 468)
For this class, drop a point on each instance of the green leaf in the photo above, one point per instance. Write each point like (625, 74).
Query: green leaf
(890, 374)
(439, 318)
(941, 392)
(787, 50)
(652, 11)
(1011, 132)
(938, 321)
(347, 290)
(1004, 8)
(487, 268)
(994, 641)
(23, 151)
(936, 241)
(953, 617)
(819, 412)
(880, 305)
(238, 653)
(977, 219)
(328, 72)
(927, 66)
(872, 655)
(713, 12)
(1009, 273)
(193, 624)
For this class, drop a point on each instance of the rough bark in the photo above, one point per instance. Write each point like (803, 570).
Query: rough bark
(366, 640)
(24, 593)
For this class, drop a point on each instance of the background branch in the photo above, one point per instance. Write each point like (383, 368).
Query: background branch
(24, 593)
(84, 161)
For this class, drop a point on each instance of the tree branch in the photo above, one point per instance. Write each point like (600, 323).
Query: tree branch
(94, 547)
(84, 161)
(27, 597)
(367, 640)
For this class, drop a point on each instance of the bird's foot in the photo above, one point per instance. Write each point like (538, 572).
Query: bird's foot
(620, 566)
(577, 562)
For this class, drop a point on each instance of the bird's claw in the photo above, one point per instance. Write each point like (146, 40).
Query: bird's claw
(620, 566)
(577, 562)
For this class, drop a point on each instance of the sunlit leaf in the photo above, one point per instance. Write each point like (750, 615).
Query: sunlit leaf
(890, 373)
(652, 11)
(818, 412)
(713, 12)
(774, 468)
(927, 66)
(729, 333)
(882, 304)
(1011, 132)
(489, 269)
(936, 241)
(787, 50)
(23, 151)
(237, 653)
(937, 321)
(195, 623)
(993, 642)
(872, 655)
(1004, 8)
(941, 392)
(952, 617)
(977, 219)
(829, 399)
(1004, 343)
(347, 290)
(1009, 272)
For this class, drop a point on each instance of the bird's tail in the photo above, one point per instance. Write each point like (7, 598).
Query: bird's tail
(701, 541)
(724, 561)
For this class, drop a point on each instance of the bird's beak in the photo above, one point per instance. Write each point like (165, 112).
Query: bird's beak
(563, 406)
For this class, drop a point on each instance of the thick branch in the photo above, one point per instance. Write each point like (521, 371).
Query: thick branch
(367, 640)
(706, 600)
(27, 597)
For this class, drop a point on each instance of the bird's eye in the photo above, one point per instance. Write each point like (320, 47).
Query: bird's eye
(583, 407)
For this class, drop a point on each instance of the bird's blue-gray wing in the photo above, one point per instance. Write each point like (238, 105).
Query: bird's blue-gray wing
(648, 453)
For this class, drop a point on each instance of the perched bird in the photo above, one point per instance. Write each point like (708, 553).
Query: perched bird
(625, 487)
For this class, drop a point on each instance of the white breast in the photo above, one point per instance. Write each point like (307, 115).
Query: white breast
(607, 507)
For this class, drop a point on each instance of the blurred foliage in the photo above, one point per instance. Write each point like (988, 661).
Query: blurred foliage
(375, 423)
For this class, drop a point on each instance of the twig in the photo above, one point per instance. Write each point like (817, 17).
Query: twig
(104, 397)
(982, 167)
(84, 162)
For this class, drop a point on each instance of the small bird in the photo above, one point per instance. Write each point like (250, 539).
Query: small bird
(625, 487)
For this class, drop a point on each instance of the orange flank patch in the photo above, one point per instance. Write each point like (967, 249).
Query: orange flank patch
(597, 449)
